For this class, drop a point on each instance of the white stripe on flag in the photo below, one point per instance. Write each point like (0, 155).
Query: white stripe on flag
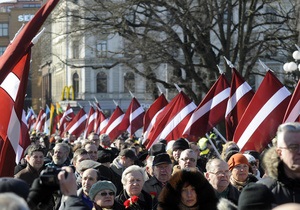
(78, 123)
(14, 130)
(239, 93)
(207, 107)
(114, 124)
(11, 85)
(93, 117)
(262, 114)
(153, 120)
(294, 113)
(135, 114)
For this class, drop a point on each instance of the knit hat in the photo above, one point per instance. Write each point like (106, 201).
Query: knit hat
(17, 186)
(99, 186)
(237, 159)
(161, 158)
(157, 149)
(128, 153)
(256, 196)
(180, 144)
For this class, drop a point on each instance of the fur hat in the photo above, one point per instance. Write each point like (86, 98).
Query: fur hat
(99, 186)
(237, 159)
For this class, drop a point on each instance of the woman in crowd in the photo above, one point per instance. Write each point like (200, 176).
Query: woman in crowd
(239, 167)
(132, 196)
(103, 194)
(187, 189)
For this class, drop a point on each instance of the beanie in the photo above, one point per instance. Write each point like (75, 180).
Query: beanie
(99, 186)
(180, 144)
(256, 196)
(237, 159)
(17, 186)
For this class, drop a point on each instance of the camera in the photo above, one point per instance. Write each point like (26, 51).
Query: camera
(48, 177)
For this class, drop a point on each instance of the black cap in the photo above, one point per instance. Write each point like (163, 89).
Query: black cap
(128, 153)
(157, 149)
(104, 156)
(180, 144)
(17, 186)
(161, 158)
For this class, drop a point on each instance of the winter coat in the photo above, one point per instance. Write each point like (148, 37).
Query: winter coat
(145, 200)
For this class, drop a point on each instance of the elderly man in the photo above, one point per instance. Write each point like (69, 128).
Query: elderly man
(60, 156)
(218, 176)
(188, 159)
(285, 184)
(162, 171)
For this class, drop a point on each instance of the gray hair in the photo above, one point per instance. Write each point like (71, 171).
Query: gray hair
(293, 127)
(12, 201)
(131, 169)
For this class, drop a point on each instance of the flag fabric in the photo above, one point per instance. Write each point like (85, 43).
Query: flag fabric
(47, 121)
(90, 123)
(66, 118)
(24, 141)
(133, 117)
(101, 120)
(151, 114)
(111, 129)
(240, 96)
(210, 111)
(12, 94)
(263, 115)
(293, 110)
(171, 122)
(77, 125)
(31, 119)
(53, 119)
(40, 121)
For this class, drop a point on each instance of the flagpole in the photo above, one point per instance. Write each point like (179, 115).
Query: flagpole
(219, 134)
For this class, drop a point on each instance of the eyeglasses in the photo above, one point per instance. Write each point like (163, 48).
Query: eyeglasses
(219, 173)
(294, 148)
(186, 159)
(107, 193)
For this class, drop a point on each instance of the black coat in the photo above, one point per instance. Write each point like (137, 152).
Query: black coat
(145, 200)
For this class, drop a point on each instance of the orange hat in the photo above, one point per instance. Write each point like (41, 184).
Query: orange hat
(237, 159)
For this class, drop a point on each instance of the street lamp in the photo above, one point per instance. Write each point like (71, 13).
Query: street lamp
(293, 68)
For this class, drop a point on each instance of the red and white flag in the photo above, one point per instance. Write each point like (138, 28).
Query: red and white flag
(133, 118)
(210, 111)
(77, 125)
(171, 122)
(151, 114)
(66, 119)
(31, 119)
(90, 123)
(24, 141)
(293, 110)
(263, 115)
(40, 121)
(101, 121)
(240, 96)
(111, 129)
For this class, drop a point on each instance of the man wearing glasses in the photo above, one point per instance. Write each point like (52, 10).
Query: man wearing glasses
(286, 184)
(218, 176)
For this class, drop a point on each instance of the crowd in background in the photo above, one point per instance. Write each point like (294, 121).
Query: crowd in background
(100, 173)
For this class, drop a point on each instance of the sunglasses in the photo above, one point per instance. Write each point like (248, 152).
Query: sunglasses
(107, 193)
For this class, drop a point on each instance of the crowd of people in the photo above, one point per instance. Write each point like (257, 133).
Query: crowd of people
(98, 173)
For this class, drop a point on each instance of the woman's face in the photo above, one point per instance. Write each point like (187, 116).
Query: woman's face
(105, 198)
(188, 195)
(134, 183)
(240, 172)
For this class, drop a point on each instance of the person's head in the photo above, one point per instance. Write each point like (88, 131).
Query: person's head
(288, 135)
(89, 177)
(79, 156)
(177, 147)
(35, 156)
(288, 206)
(12, 201)
(104, 157)
(127, 157)
(104, 140)
(148, 166)
(133, 179)
(190, 188)
(229, 148)
(194, 146)
(60, 153)
(103, 194)
(17, 186)
(91, 149)
(94, 138)
(162, 167)
(217, 174)
(188, 159)
(252, 163)
(239, 167)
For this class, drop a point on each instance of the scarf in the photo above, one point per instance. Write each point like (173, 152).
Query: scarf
(181, 206)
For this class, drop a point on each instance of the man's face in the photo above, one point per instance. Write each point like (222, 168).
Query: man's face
(288, 151)
(127, 161)
(219, 175)
(60, 155)
(105, 141)
(176, 154)
(92, 151)
(163, 172)
(89, 177)
(187, 159)
(80, 158)
(36, 160)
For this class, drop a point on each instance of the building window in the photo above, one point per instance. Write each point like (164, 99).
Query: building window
(75, 49)
(76, 84)
(2, 49)
(3, 29)
(101, 48)
(101, 82)
(129, 82)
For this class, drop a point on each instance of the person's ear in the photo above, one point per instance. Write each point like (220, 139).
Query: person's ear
(206, 174)
(279, 152)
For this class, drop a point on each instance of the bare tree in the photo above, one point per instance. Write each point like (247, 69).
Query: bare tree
(191, 36)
